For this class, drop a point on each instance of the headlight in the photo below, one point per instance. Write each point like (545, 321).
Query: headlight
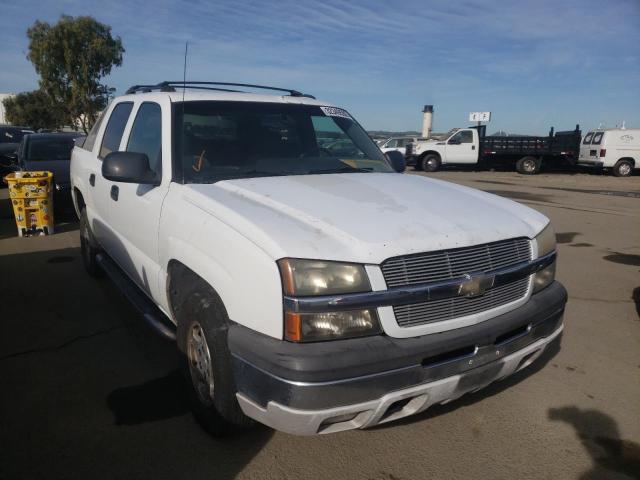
(315, 277)
(546, 241)
(313, 327)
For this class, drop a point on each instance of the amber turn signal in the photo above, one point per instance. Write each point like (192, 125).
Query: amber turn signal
(292, 327)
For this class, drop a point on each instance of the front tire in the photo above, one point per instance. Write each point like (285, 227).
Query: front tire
(89, 247)
(528, 166)
(623, 168)
(430, 163)
(206, 361)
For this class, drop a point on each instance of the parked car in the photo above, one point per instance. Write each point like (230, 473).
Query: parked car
(307, 289)
(50, 152)
(10, 138)
(617, 149)
(398, 144)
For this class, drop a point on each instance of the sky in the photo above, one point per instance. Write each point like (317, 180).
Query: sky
(533, 64)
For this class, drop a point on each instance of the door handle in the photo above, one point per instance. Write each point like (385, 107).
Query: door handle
(114, 192)
(92, 179)
(473, 147)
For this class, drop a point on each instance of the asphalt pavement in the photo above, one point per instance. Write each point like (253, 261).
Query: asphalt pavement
(87, 391)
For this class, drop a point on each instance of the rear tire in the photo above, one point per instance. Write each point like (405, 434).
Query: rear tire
(89, 247)
(430, 163)
(623, 168)
(528, 166)
(205, 359)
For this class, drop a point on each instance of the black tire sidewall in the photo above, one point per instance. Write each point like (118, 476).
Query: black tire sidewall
(425, 163)
(520, 166)
(616, 168)
(204, 306)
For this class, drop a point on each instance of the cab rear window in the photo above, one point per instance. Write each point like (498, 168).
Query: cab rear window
(587, 138)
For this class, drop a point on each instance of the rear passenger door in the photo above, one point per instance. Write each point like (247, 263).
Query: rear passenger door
(134, 209)
(87, 167)
(585, 147)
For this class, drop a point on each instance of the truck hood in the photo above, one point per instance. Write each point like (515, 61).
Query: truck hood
(361, 217)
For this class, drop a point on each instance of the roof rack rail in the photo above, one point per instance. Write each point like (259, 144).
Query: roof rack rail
(148, 88)
(170, 86)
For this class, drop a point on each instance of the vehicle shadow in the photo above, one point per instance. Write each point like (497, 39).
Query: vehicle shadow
(7, 224)
(492, 389)
(94, 392)
(600, 436)
(635, 296)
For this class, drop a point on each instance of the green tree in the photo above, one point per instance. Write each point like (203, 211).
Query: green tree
(71, 58)
(33, 109)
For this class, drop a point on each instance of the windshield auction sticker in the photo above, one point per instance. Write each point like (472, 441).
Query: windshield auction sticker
(335, 112)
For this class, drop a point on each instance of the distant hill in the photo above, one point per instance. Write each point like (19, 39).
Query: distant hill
(387, 134)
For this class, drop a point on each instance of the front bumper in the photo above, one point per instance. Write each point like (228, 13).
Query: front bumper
(327, 387)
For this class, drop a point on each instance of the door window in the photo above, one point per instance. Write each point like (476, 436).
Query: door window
(391, 144)
(146, 134)
(463, 136)
(91, 138)
(115, 128)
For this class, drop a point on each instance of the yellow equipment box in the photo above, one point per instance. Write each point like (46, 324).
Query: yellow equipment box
(32, 199)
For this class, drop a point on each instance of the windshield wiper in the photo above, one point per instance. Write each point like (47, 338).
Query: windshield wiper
(341, 170)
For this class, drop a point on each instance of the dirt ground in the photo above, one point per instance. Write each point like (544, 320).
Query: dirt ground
(87, 391)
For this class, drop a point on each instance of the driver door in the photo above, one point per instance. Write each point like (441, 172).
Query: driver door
(134, 209)
(461, 147)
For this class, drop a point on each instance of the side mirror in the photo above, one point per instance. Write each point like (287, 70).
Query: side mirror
(454, 142)
(396, 159)
(129, 167)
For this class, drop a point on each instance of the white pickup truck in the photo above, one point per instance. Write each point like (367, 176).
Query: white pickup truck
(469, 146)
(307, 288)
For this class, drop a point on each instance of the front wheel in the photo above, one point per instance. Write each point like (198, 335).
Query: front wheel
(623, 168)
(528, 166)
(206, 360)
(430, 163)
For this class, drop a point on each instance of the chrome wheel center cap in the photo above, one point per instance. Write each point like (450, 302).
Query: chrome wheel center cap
(200, 363)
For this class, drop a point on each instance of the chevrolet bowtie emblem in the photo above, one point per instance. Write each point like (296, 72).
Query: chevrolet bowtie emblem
(474, 286)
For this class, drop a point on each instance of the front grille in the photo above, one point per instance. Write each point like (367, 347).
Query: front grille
(448, 264)
(450, 308)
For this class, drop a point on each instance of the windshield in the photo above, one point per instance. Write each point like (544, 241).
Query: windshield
(228, 140)
(49, 148)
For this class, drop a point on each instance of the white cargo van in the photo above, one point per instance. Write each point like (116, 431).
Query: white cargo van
(614, 148)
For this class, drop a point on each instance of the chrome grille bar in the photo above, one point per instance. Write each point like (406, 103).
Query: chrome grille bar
(447, 264)
(457, 307)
